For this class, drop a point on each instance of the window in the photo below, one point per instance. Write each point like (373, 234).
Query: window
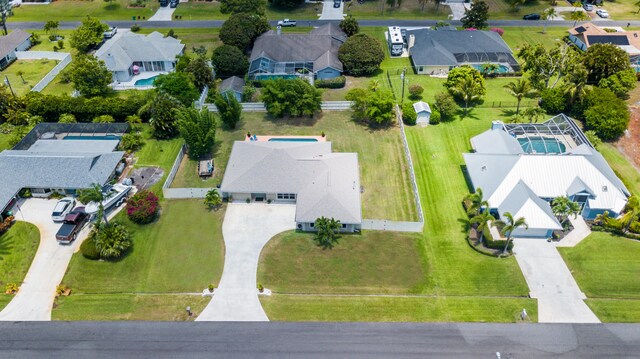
(312, 224)
(286, 196)
(344, 225)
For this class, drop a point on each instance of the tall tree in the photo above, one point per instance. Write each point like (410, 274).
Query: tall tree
(201, 73)
(509, 226)
(477, 16)
(229, 61)
(520, 89)
(243, 6)
(579, 15)
(350, 25)
(327, 232)
(468, 91)
(6, 7)
(89, 34)
(95, 194)
(547, 15)
(179, 85)
(576, 85)
(163, 119)
(51, 27)
(483, 220)
(548, 66)
(361, 55)
(477, 202)
(295, 97)
(198, 128)
(631, 212)
(241, 30)
(90, 76)
(373, 107)
(563, 207)
(604, 60)
(229, 109)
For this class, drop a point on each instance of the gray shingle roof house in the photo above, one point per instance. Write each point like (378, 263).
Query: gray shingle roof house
(291, 55)
(319, 181)
(16, 40)
(131, 54)
(435, 52)
(233, 85)
(55, 164)
(522, 167)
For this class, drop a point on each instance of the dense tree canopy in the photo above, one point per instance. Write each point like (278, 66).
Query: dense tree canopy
(287, 4)
(241, 30)
(463, 72)
(89, 34)
(201, 73)
(604, 60)
(229, 61)
(466, 84)
(90, 76)
(606, 114)
(620, 83)
(179, 85)
(350, 26)
(229, 109)
(163, 117)
(295, 97)
(476, 17)
(548, 66)
(446, 105)
(198, 128)
(243, 6)
(361, 55)
(372, 106)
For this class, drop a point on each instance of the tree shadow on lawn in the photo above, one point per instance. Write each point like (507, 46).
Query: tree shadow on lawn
(508, 112)
(462, 114)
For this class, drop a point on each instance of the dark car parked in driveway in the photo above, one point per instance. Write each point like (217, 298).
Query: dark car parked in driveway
(73, 223)
(531, 17)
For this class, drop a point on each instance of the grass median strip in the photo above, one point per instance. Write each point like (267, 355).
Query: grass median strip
(18, 247)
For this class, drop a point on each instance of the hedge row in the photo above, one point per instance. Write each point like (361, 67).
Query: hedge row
(334, 83)
(50, 107)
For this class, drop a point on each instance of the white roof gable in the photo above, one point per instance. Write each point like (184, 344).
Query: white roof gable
(421, 107)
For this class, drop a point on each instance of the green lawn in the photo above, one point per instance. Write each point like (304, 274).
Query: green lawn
(160, 153)
(4, 141)
(383, 167)
(18, 246)
(182, 252)
(152, 307)
(372, 262)
(33, 72)
(607, 270)
(629, 174)
(191, 38)
(396, 309)
(76, 10)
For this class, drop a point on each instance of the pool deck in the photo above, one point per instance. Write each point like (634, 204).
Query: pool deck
(131, 84)
(267, 138)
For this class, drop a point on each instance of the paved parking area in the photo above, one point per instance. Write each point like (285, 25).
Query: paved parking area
(35, 297)
(163, 14)
(246, 229)
(560, 300)
(331, 13)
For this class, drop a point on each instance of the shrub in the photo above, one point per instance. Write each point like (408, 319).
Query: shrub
(67, 118)
(334, 83)
(446, 106)
(135, 28)
(552, 100)
(89, 250)
(131, 141)
(409, 115)
(53, 37)
(103, 119)
(635, 227)
(498, 30)
(112, 241)
(416, 91)
(435, 117)
(143, 207)
(61, 44)
(4, 225)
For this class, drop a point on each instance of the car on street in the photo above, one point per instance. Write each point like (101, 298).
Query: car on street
(173, 4)
(62, 208)
(287, 23)
(111, 32)
(531, 17)
(587, 7)
(73, 223)
(602, 13)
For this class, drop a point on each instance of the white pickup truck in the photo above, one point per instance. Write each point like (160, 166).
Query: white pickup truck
(286, 22)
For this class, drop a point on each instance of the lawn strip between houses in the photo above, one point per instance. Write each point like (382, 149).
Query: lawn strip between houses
(18, 247)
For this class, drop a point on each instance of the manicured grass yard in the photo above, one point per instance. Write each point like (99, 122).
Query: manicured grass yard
(33, 72)
(371, 262)
(4, 141)
(606, 268)
(183, 252)
(74, 10)
(629, 175)
(160, 153)
(18, 246)
(383, 169)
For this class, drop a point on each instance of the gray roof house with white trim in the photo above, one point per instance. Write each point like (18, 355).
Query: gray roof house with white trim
(232, 85)
(130, 54)
(435, 52)
(521, 168)
(314, 54)
(16, 40)
(320, 182)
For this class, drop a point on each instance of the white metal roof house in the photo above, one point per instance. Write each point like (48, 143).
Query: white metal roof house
(423, 111)
(60, 158)
(16, 40)
(319, 181)
(521, 168)
(435, 52)
(276, 55)
(131, 54)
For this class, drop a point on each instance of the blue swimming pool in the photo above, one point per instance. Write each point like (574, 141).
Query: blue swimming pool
(292, 139)
(500, 70)
(145, 82)
(105, 137)
(541, 145)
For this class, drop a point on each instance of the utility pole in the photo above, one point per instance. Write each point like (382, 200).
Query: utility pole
(402, 76)
(6, 82)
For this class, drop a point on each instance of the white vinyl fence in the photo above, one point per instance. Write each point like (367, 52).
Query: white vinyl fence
(176, 193)
(64, 59)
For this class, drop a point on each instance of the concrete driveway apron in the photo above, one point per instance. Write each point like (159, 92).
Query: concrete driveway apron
(246, 229)
(35, 298)
(560, 300)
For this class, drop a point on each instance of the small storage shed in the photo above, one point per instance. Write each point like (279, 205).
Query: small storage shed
(423, 111)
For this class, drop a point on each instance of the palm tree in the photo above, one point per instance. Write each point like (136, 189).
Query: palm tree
(21, 73)
(488, 68)
(212, 199)
(327, 234)
(563, 207)
(509, 226)
(94, 194)
(477, 202)
(579, 15)
(468, 90)
(520, 89)
(632, 210)
(548, 14)
(374, 85)
(576, 86)
(482, 219)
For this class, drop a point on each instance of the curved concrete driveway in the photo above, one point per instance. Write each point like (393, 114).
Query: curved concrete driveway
(246, 229)
(35, 297)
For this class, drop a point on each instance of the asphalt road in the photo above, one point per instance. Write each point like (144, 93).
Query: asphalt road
(184, 24)
(317, 340)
